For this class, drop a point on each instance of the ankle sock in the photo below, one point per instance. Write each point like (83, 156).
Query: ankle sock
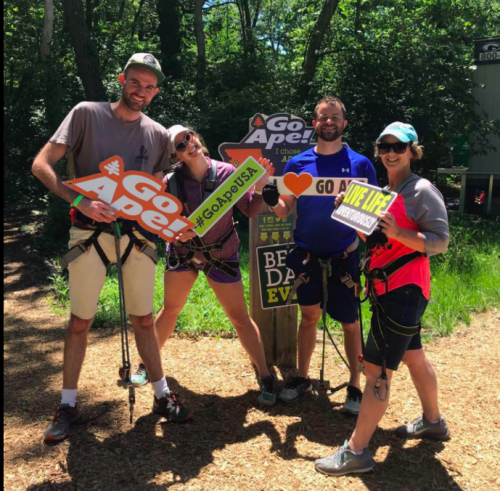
(160, 388)
(68, 396)
(355, 453)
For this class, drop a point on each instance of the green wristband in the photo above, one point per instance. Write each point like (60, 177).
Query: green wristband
(77, 201)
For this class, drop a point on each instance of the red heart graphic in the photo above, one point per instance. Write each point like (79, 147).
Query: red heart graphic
(297, 184)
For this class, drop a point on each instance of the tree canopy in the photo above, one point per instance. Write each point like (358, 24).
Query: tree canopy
(225, 60)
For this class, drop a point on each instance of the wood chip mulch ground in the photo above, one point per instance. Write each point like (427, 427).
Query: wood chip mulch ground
(232, 444)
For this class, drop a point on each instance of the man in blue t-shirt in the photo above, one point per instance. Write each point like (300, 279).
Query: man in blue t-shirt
(317, 236)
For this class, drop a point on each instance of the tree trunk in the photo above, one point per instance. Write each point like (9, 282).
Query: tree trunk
(48, 29)
(170, 39)
(86, 56)
(136, 18)
(247, 28)
(313, 50)
(200, 43)
(51, 98)
(89, 10)
(357, 22)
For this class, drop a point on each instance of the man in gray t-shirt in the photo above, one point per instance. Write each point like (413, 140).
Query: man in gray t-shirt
(93, 132)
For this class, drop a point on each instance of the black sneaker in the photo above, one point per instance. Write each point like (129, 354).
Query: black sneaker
(65, 417)
(353, 400)
(295, 388)
(267, 395)
(171, 408)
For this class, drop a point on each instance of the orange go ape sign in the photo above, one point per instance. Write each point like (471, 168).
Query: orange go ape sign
(136, 196)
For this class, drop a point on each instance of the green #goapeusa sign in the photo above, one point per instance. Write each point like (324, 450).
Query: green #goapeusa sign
(226, 196)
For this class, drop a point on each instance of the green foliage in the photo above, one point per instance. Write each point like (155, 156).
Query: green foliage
(392, 60)
(465, 279)
(387, 60)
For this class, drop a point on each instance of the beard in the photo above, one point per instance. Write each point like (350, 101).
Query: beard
(132, 104)
(330, 134)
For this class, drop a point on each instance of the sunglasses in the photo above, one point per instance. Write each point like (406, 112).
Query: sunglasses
(398, 147)
(182, 146)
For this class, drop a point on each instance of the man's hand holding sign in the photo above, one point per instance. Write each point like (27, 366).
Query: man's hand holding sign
(132, 195)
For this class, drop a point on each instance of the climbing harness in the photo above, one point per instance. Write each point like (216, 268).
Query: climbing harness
(383, 321)
(196, 244)
(323, 388)
(116, 229)
(125, 369)
(79, 220)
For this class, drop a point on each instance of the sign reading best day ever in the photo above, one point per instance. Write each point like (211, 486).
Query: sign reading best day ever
(226, 196)
(135, 196)
(361, 206)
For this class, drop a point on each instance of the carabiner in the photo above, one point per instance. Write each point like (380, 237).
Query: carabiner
(377, 386)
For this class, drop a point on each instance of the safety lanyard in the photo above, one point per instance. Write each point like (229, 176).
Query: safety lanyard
(125, 369)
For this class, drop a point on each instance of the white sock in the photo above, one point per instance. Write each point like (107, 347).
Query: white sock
(355, 453)
(160, 388)
(69, 397)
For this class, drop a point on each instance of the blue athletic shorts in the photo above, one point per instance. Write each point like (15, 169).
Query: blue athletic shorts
(406, 306)
(342, 304)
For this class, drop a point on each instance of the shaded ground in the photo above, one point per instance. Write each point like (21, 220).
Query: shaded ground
(232, 444)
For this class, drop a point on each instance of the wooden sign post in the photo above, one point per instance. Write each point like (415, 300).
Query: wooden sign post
(277, 137)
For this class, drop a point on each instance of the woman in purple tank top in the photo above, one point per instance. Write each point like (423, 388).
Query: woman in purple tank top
(216, 254)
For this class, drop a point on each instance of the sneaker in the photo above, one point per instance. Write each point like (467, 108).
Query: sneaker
(140, 377)
(423, 428)
(267, 396)
(352, 401)
(65, 417)
(172, 408)
(345, 461)
(295, 388)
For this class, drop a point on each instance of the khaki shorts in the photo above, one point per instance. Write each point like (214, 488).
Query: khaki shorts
(87, 274)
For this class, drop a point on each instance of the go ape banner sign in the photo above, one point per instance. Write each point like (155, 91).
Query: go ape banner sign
(226, 196)
(136, 196)
(278, 138)
(307, 185)
(275, 279)
(362, 204)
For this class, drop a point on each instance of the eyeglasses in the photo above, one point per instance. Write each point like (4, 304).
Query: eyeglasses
(398, 147)
(181, 146)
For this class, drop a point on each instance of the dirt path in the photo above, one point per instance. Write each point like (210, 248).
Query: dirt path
(232, 444)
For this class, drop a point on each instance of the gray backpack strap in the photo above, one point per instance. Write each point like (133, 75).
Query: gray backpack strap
(212, 175)
(172, 184)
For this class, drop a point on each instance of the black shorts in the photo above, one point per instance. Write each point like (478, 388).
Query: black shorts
(342, 304)
(406, 306)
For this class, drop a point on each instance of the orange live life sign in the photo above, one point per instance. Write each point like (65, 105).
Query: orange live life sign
(135, 196)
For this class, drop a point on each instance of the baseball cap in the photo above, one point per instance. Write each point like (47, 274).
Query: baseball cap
(173, 131)
(148, 61)
(402, 131)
